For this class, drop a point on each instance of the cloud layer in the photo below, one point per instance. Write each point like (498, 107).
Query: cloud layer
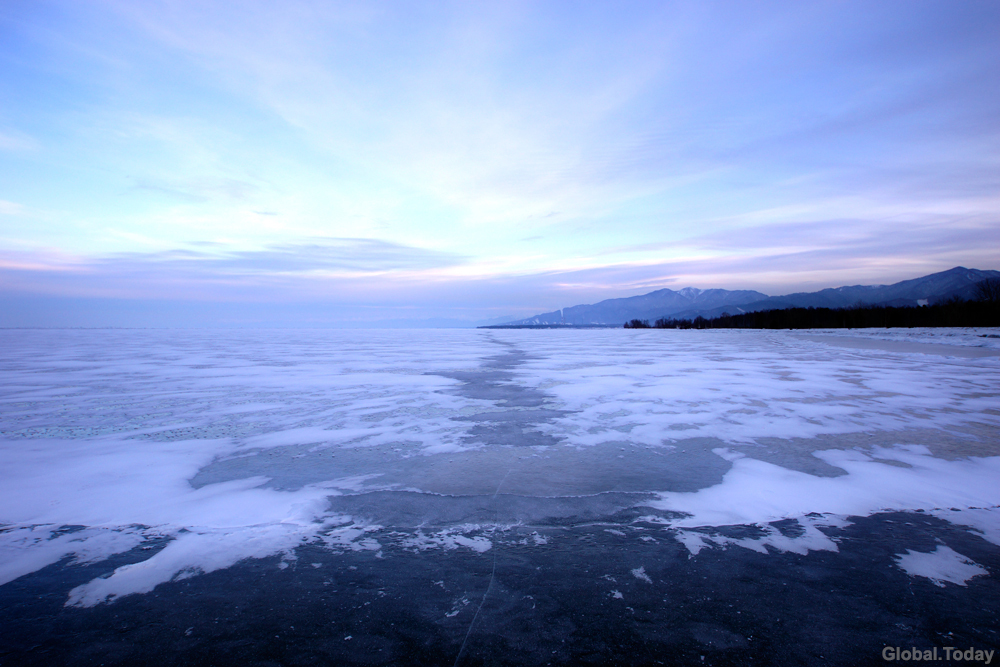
(541, 153)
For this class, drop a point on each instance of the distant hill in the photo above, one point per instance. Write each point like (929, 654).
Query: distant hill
(691, 302)
(655, 304)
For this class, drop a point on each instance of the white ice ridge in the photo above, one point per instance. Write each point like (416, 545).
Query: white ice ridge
(940, 565)
(757, 492)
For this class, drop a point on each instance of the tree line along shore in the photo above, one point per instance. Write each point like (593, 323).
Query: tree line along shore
(984, 311)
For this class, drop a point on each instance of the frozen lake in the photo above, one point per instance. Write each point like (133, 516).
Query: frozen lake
(497, 496)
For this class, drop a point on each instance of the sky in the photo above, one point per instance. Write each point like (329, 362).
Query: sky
(364, 163)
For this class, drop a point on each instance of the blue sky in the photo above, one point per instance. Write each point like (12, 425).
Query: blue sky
(321, 163)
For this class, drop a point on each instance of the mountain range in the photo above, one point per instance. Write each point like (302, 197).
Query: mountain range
(691, 302)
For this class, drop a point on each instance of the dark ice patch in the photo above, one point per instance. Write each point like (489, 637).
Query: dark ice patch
(521, 408)
(410, 510)
(550, 604)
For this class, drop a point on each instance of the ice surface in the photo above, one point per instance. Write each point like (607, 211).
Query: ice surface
(984, 337)
(940, 565)
(105, 431)
(739, 386)
(811, 538)
(229, 445)
(757, 492)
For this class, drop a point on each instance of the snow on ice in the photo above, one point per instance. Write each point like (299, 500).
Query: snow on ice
(231, 444)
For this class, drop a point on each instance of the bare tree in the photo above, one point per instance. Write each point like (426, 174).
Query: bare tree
(988, 290)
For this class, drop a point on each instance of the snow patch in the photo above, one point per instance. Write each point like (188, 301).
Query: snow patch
(449, 539)
(811, 539)
(640, 574)
(940, 566)
(758, 492)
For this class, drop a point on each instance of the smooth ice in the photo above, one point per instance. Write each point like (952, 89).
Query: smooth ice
(234, 445)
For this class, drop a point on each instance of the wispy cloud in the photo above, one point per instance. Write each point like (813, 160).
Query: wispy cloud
(324, 255)
(11, 208)
(16, 141)
(199, 273)
(199, 190)
(369, 279)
